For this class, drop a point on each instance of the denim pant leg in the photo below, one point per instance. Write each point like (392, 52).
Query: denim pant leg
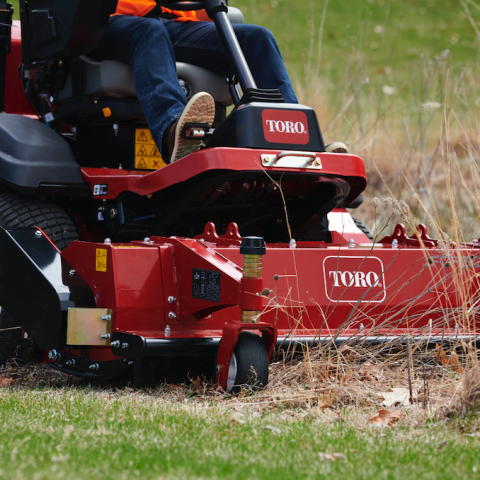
(145, 44)
(199, 43)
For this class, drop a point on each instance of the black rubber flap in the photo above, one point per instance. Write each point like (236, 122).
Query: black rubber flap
(28, 267)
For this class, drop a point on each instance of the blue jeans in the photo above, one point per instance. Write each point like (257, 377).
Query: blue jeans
(152, 45)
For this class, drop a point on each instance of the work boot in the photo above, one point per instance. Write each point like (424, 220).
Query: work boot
(336, 147)
(200, 109)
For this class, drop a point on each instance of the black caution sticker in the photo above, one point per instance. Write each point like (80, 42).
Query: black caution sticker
(206, 285)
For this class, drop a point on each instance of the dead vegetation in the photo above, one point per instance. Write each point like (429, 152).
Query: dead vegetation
(365, 385)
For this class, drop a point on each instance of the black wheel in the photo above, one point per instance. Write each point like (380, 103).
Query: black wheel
(249, 364)
(363, 228)
(21, 211)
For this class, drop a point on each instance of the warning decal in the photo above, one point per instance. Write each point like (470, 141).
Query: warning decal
(101, 260)
(142, 137)
(141, 163)
(206, 285)
(154, 152)
(141, 152)
(147, 156)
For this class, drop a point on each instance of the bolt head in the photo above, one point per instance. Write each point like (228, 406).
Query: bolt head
(318, 163)
(94, 366)
(54, 355)
(38, 233)
(172, 315)
(71, 273)
(107, 241)
(266, 160)
(115, 344)
(70, 363)
(125, 345)
(113, 213)
(171, 299)
(147, 240)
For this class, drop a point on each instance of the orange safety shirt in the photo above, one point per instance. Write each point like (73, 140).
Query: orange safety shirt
(140, 8)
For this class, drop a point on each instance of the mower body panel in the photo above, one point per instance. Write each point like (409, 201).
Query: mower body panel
(32, 154)
(279, 126)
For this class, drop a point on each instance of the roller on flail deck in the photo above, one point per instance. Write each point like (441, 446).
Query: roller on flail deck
(113, 261)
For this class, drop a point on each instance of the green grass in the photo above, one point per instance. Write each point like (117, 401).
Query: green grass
(389, 33)
(84, 434)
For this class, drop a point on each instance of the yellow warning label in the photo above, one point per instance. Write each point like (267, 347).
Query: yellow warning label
(144, 136)
(154, 152)
(141, 151)
(140, 162)
(147, 155)
(101, 260)
(149, 163)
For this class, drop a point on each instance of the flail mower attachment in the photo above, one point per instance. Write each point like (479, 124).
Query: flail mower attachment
(100, 306)
(95, 307)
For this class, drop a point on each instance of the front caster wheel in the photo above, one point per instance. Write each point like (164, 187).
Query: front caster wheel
(249, 363)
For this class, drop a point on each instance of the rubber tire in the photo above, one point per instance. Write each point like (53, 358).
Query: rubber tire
(363, 228)
(22, 211)
(252, 362)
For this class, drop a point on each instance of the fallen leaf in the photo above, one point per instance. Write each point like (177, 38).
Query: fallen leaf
(197, 384)
(331, 457)
(384, 417)
(6, 382)
(396, 396)
(451, 361)
(272, 429)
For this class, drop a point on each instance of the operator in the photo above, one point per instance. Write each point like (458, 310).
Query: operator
(152, 38)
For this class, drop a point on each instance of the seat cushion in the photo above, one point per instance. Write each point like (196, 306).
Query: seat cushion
(111, 79)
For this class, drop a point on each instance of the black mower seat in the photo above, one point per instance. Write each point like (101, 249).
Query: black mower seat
(113, 79)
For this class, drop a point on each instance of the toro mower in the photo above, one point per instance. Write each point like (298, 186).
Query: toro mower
(112, 260)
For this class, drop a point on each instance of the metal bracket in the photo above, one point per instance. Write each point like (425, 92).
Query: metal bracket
(194, 131)
(231, 331)
(292, 160)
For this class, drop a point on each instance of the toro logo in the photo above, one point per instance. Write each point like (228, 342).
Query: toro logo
(353, 279)
(285, 126)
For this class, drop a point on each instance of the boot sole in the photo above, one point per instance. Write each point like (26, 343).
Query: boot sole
(200, 109)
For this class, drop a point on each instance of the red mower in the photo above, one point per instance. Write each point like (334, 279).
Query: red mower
(111, 260)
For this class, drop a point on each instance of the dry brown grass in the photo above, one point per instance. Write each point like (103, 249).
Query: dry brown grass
(420, 143)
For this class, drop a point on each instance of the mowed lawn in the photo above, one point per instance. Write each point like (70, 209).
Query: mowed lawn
(90, 434)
